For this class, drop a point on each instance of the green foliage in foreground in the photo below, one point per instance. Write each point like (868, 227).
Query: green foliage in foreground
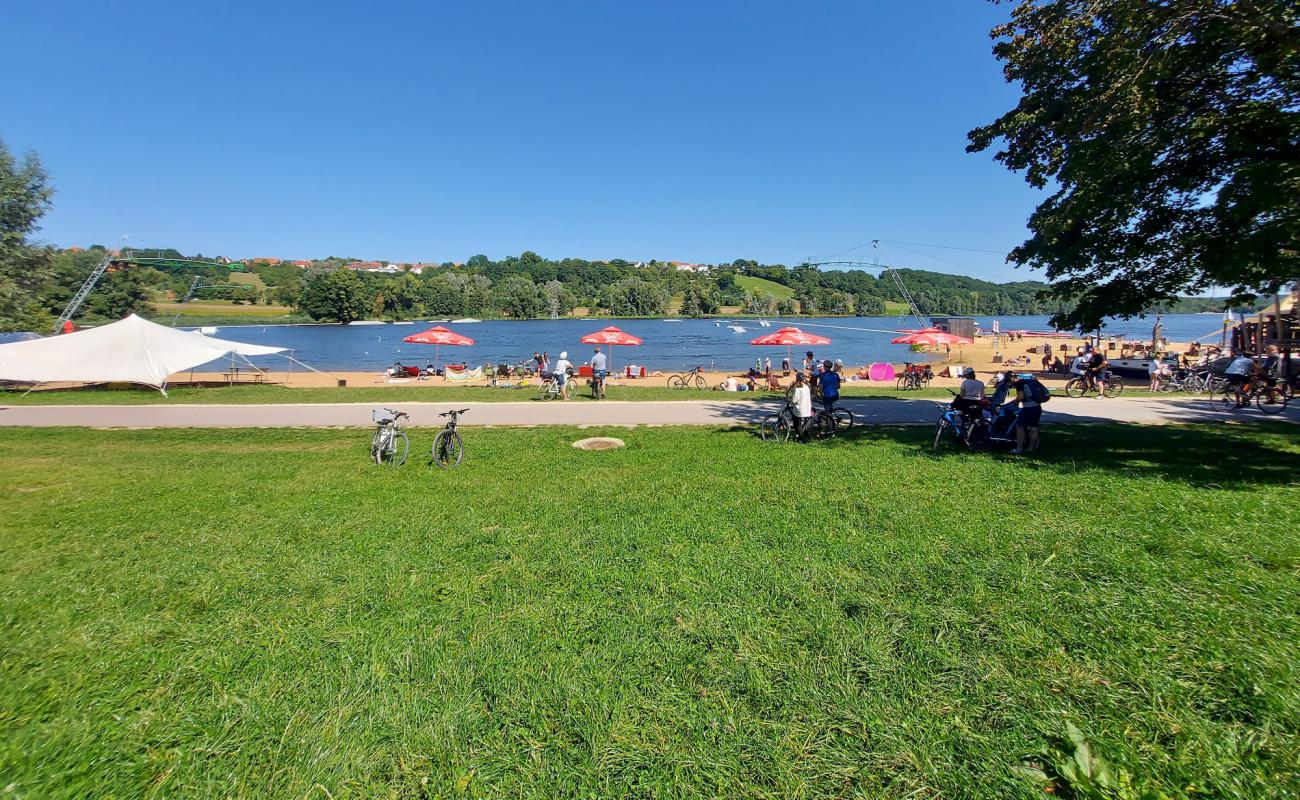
(399, 393)
(264, 614)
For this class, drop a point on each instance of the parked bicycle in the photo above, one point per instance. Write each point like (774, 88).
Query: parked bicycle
(694, 379)
(779, 427)
(551, 387)
(914, 376)
(1111, 385)
(597, 384)
(389, 445)
(447, 445)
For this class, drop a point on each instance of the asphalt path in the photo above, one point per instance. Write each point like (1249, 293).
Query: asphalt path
(869, 411)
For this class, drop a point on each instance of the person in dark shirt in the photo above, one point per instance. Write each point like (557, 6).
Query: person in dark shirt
(829, 380)
(1031, 411)
(1096, 371)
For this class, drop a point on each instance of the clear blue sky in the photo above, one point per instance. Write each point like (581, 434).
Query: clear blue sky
(699, 131)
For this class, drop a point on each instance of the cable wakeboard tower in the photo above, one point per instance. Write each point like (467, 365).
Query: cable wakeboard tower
(863, 264)
(136, 258)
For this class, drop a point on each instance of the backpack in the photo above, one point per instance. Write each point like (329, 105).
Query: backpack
(1037, 391)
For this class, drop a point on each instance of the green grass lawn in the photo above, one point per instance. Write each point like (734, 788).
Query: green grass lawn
(252, 393)
(762, 286)
(264, 614)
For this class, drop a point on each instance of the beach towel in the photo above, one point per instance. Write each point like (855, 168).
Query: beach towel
(460, 376)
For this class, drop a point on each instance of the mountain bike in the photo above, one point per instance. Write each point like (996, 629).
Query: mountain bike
(447, 445)
(1085, 385)
(778, 427)
(687, 380)
(915, 376)
(389, 444)
(1268, 399)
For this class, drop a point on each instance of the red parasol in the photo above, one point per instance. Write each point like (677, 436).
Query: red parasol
(438, 337)
(928, 337)
(790, 337)
(612, 336)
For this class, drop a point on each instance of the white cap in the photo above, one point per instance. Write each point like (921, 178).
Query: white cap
(565, 354)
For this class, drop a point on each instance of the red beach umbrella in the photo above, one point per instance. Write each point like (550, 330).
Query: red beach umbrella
(438, 337)
(789, 337)
(613, 337)
(927, 337)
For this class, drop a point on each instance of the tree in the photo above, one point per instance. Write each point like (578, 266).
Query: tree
(634, 297)
(1169, 139)
(519, 297)
(334, 295)
(24, 268)
(762, 304)
(559, 299)
(866, 305)
(124, 292)
(404, 296)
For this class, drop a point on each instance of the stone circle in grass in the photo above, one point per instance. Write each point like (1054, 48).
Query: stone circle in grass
(598, 443)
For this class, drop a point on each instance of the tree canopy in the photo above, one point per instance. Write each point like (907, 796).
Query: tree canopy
(24, 268)
(1168, 136)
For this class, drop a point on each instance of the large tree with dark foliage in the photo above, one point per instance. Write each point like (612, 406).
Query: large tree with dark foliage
(1168, 135)
(24, 267)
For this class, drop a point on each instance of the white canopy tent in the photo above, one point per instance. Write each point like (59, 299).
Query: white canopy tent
(133, 350)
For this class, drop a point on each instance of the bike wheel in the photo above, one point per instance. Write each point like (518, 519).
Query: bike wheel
(940, 428)
(1272, 400)
(843, 418)
(1114, 387)
(824, 425)
(1075, 388)
(1224, 401)
(700, 383)
(378, 445)
(677, 382)
(901, 383)
(447, 449)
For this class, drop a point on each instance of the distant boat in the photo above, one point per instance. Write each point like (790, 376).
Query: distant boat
(717, 324)
(403, 323)
(207, 330)
(764, 323)
(464, 320)
(670, 320)
(737, 328)
(367, 322)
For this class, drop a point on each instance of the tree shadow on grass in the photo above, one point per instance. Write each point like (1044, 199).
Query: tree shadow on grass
(1223, 456)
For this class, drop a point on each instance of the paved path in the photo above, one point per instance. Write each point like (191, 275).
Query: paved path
(338, 415)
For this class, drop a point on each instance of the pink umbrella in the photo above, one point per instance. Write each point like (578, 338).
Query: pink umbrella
(928, 337)
(438, 337)
(614, 337)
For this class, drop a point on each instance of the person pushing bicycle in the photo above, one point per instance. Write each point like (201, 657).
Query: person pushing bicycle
(598, 371)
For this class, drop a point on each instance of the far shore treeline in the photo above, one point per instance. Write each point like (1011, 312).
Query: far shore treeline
(527, 286)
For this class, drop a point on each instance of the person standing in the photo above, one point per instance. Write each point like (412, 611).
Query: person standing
(808, 362)
(598, 371)
(830, 385)
(801, 406)
(767, 366)
(562, 368)
(1030, 394)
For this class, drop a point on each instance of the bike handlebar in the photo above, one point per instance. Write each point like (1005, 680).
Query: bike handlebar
(453, 412)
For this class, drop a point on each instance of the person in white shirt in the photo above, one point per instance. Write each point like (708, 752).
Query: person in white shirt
(1079, 364)
(1155, 368)
(801, 406)
(562, 368)
(970, 396)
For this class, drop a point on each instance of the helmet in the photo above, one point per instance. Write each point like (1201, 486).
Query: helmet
(565, 354)
(969, 372)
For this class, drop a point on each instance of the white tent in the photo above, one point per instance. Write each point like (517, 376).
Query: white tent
(133, 350)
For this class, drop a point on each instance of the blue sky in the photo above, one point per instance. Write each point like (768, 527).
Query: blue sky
(699, 131)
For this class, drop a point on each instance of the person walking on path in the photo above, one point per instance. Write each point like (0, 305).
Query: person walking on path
(801, 406)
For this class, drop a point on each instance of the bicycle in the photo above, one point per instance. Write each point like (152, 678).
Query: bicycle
(551, 387)
(1268, 399)
(447, 445)
(1084, 385)
(597, 384)
(951, 420)
(914, 377)
(777, 427)
(693, 378)
(389, 445)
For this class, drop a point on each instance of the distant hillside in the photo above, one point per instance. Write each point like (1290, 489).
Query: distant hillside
(763, 286)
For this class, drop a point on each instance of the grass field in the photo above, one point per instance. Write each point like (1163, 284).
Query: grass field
(761, 286)
(253, 393)
(264, 614)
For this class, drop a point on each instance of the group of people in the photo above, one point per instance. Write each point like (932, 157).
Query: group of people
(1025, 410)
(563, 370)
(822, 382)
(1090, 364)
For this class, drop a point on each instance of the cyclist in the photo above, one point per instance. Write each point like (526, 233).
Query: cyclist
(1029, 395)
(1096, 370)
(970, 397)
(562, 368)
(1238, 375)
(598, 371)
(801, 406)
(830, 385)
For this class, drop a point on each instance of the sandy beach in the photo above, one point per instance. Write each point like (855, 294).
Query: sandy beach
(982, 355)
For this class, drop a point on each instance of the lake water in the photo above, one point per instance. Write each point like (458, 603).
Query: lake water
(669, 346)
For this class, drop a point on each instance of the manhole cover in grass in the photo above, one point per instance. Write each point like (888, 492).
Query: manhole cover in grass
(598, 443)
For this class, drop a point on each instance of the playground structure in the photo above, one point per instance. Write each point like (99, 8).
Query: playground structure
(124, 259)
